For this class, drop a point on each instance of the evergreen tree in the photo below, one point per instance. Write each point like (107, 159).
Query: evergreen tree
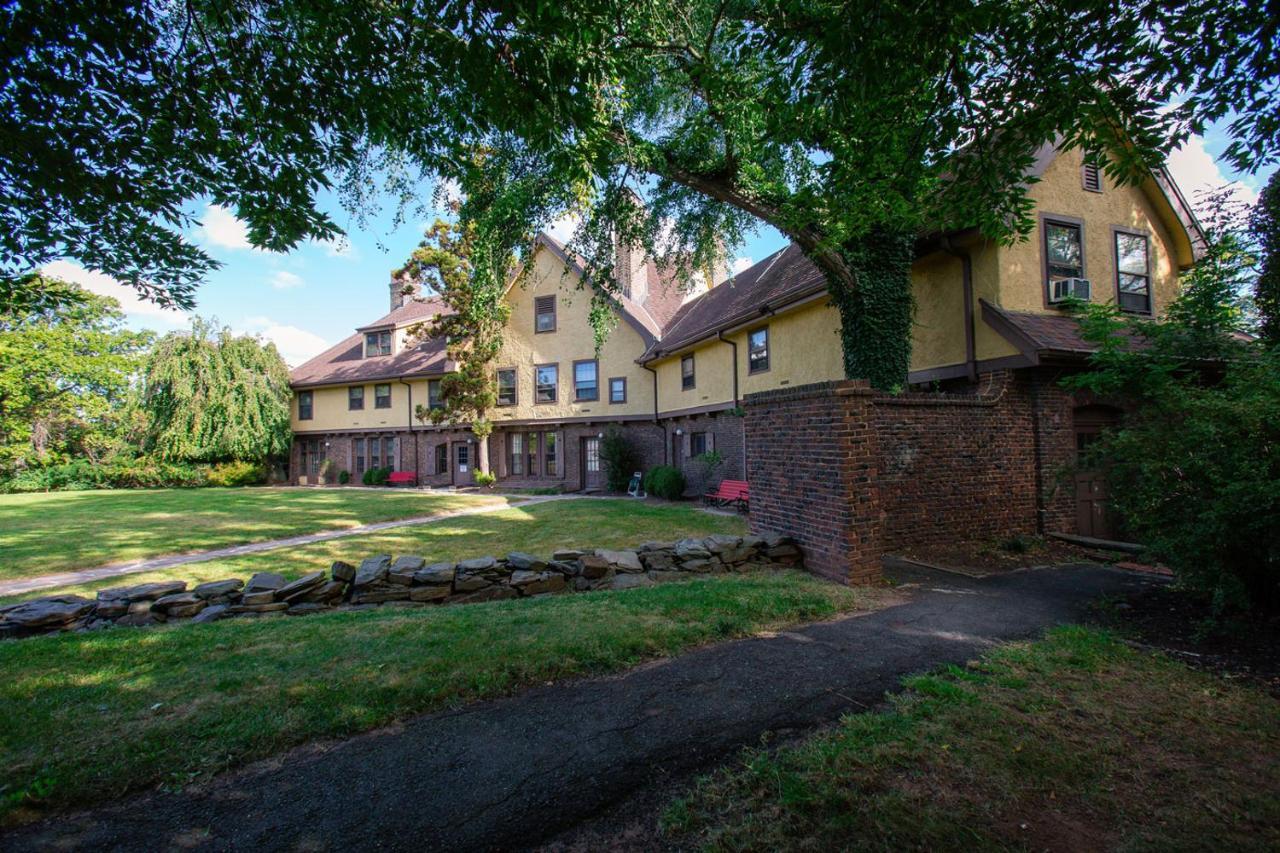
(1265, 225)
(212, 396)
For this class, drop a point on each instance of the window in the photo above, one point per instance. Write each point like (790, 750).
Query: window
(586, 384)
(545, 379)
(433, 394)
(355, 398)
(388, 452)
(592, 451)
(1133, 272)
(531, 453)
(382, 396)
(312, 456)
(305, 403)
(463, 456)
(1063, 251)
(686, 372)
(516, 456)
(697, 443)
(544, 313)
(375, 453)
(1091, 178)
(758, 350)
(377, 343)
(360, 461)
(442, 458)
(507, 387)
(618, 389)
(549, 454)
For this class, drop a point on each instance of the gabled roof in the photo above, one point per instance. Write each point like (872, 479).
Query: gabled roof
(784, 277)
(409, 312)
(633, 312)
(345, 363)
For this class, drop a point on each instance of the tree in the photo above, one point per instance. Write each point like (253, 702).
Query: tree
(65, 377)
(473, 324)
(1265, 227)
(212, 396)
(850, 127)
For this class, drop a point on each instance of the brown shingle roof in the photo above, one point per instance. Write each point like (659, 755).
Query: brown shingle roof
(1040, 336)
(407, 313)
(344, 364)
(783, 277)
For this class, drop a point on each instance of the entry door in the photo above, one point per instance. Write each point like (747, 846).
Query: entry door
(592, 470)
(463, 464)
(1093, 513)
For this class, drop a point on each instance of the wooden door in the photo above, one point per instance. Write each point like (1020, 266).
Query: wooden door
(463, 463)
(1093, 512)
(589, 464)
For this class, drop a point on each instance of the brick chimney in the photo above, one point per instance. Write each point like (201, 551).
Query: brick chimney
(403, 289)
(629, 266)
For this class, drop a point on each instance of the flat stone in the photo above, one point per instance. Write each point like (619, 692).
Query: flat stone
(520, 561)
(752, 541)
(564, 567)
(656, 546)
(272, 607)
(739, 554)
(142, 591)
(137, 620)
(408, 564)
(253, 599)
(303, 608)
(549, 583)
(212, 613)
(343, 571)
(186, 611)
(178, 600)
(377, 596)
(491, 593)
(430, 593)
(469, 583)
(295, 590)
(662, 561)
(326, 592)
(773, 540)
(139, 607)
(782, 552)
(111, 609)
(400, 578)
(592, 567)
(265, 582)
(623, 561)
(435, 574)
(717, 542)
(522, 578)
(51, 612)
(691, 549)
(477, 564)
(372, 570)
(567, 555)
(631, 581)
(699, 566)
(216, 589)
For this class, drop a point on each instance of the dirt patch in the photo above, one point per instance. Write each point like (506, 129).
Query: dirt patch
(979, 557)
(1244, 647)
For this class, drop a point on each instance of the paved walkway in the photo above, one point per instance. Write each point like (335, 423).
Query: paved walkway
(512, 773)
(61, 579)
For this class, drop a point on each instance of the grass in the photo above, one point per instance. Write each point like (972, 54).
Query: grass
(61, 531)
(537, 528)
(1077, 741)
(90, 716)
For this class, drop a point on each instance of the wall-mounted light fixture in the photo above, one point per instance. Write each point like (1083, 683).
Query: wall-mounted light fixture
(679, 431)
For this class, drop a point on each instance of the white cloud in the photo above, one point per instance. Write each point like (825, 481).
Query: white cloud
(283, 280)
(130, 302)
(295, 345)
(219, 227)
(741, 265)
(563, 228)
(1195, 171)
(339, 247)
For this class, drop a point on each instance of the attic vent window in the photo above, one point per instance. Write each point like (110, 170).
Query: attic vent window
(1091, 177)
(544, 314)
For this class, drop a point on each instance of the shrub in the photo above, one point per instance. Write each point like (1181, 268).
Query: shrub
(378, 476)
(485, 479)
(707, 466)
(619, 458)
(665, 482)
(344, 477)
(367, 477)
(238, 474)
(122, 473)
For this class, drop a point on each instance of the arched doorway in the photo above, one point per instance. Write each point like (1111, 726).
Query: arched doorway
(1093, 513)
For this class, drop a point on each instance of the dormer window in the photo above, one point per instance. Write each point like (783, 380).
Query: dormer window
(377, 343)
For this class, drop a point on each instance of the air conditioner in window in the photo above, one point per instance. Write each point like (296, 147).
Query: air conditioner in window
(1063, 289)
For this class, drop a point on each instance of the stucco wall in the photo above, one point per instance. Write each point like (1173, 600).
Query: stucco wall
(330, 412)
(713, 375)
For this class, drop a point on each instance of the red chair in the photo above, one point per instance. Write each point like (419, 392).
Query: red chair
(729, 493)
(402, 478)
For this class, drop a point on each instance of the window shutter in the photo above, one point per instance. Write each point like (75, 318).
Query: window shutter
(398, 459)
(711, 441)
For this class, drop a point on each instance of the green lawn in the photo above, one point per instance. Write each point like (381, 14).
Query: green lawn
(60, 531)
(537, 528)
(1075, 742)
(90, 716)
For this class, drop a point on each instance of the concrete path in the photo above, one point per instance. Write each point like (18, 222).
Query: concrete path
(18, 587)
(509, 774)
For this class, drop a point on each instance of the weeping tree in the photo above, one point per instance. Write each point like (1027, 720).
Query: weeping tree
(850, 127)
(212, 396)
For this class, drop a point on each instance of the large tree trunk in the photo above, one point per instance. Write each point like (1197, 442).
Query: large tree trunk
(872, 291)
(482, 452)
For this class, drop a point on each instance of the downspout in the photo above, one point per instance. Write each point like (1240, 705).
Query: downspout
(966, 277)
(666, 450)
(413, 438)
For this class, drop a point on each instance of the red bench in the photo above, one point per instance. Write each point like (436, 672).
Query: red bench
(402, 478)
(729, 493)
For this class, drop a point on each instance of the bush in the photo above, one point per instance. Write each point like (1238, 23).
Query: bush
(140, 473)
(344, 477)
(238, 474)
(619, 458)
(376, 476)
(665, 481)
(485, 480)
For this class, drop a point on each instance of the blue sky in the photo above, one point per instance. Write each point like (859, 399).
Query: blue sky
(314, 296)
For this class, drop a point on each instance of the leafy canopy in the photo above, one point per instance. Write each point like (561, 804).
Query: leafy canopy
(213, 396)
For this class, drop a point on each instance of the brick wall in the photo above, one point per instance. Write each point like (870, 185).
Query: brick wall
(853, 474)
(726, 434)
